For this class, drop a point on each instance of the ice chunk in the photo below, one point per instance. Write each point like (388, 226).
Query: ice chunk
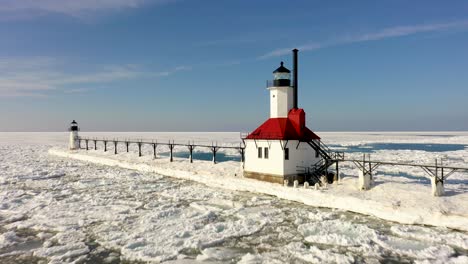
(8, 239)
(220, 254)
(313, 254)
(251, 259)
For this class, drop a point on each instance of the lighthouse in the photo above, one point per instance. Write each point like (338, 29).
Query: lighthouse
(282, 146)
(74, 143)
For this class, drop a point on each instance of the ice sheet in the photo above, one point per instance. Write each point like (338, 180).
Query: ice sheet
(64, 210)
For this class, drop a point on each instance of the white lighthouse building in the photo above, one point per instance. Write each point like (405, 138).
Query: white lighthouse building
(74, 142)
(281, 147)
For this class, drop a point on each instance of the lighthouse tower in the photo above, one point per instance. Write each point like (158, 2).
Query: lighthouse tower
(281, 93)
(281, 147)
(74, 143)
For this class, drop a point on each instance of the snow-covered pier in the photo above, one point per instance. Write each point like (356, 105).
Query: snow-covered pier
(390, 200)
(437, 172)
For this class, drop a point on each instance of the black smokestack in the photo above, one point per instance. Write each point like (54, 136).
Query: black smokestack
(295, 78)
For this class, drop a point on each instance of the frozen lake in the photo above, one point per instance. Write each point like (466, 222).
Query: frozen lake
(58, 210)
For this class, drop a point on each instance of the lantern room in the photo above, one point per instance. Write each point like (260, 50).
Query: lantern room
(282, 76)
(73, 126)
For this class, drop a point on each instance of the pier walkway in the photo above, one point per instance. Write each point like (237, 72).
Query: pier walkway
(214, 147)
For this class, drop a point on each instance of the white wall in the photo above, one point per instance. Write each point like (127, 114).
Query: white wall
(273, 165)
(281, 101)
(304, 155)
(73, 142)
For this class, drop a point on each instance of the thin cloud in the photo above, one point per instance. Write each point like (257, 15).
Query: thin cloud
(40, 76)
(408, 30)
(22, 94)
(106, 75)
(392, 32)
(281, 52)
(227, 41)
(22, 9)
(77, 91)
(170, 72)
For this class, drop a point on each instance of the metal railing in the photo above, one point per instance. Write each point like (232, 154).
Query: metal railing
(273, 83)
(214, 147)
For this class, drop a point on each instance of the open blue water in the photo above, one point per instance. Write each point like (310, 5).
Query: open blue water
(370, 148)
(220, 157)
(443, 136)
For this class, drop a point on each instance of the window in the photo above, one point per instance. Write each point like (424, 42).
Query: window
(266, 153)
(259, 153)
(286, 153)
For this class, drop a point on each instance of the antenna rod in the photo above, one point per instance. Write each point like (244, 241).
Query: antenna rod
(295, 78)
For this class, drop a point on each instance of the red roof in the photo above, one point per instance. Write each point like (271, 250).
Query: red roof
(286, 128)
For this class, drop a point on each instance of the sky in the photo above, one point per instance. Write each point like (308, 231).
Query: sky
(202, 65)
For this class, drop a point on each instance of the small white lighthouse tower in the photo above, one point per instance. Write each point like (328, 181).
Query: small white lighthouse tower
(282, 146)
(74, 143)
(281, 93)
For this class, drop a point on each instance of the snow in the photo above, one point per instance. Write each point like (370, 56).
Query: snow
(64, 210)
(8, 238)
(391, 198)
(365, 182)
(315, 255)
